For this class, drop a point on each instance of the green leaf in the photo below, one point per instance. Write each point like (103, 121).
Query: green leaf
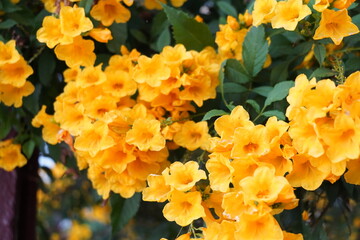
(6, 120)
(263, 90)
(279, 92)
(8, 23)
(186, 30)
(255, 49)
(322, 73)
(213, 113)
(235, 71)
(46, 67)
(320, 53)
(119, 34)
(254, 104)
(280, 72)
(31, 102)
(159, 23)
(234, 88)
(122, 210)
(28, 148)
(163, 40)
(227, 8)
(276, 113)
(86, 4)
(8, 6)
(138, 35)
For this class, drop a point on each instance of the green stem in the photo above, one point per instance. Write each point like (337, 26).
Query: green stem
(260, 113)
(37, 54)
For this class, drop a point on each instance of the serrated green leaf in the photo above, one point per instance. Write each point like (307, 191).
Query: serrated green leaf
(234, 88)
(320, 53)
(28, 148)
(186, 30)
(213, 113)
(159, 23)
(255, 49)
(227, 8)
(8, 23)
(263, 90)
(46, 67)
(119, 34)
(279, 92)
(322, 73)
(254, 105)
(122, 210)
(235, 71)
(276, 113)
(280, 72)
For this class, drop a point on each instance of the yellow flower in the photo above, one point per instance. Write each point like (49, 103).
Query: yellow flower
(94, 139)
(8, 52)
(304, 174)
(15, 73)
(78, 53)
(177, 3)
(352, 175)
(225, 125)
(341, 4)
(79, 232)
(90, 76)
(193, 135)
(264, 10)
(101, 34)
(184, 208)
(321, 5)
(153, 4)
(151, 70)
(225, 230)
(183, 177)
(50, 33)
(145, 134)
(292, 236)
(10, 155)
(220, 172)
(73, 21)
(335, 25)
(119, 83)
(50, 128)
(11, 95)
(157, 191)
(263, 186)
(108, 11)
(250, 141)
(289, 13)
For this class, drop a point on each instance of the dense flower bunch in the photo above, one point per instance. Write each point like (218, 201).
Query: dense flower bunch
(287, 14)
(324, 126)
(14, 71)
(121, 139)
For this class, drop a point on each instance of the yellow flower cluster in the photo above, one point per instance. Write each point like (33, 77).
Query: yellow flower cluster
(324, 126)
(14, 71)
(109, 11)
(334, 24)
(123, 140)
(10, 155)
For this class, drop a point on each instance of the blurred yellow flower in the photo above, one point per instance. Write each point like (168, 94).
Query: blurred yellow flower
(10, 155)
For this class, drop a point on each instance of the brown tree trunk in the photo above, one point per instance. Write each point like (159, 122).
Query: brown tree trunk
(18, 201)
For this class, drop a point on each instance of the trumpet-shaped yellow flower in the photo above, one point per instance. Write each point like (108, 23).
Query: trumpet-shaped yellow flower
(94, 139)
(335, 25)
(101, 34)
(151, 70)
(158, 190)
(10, 155)
(289, 13)
(341, 4)
(78, 53)
(183, 176)
(321, 5)
(50, 33)
(250, 141)
(11, 95)
(90, 76)
(8, 52)
(15, 73)
(73, 21)
(184, 208)
(225, 125)
(193, 135)
(264, 10)
(220, 172)
(108, 11)
(145, 134)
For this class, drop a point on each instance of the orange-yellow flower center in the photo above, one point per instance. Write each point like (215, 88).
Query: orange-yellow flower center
(251, 147)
